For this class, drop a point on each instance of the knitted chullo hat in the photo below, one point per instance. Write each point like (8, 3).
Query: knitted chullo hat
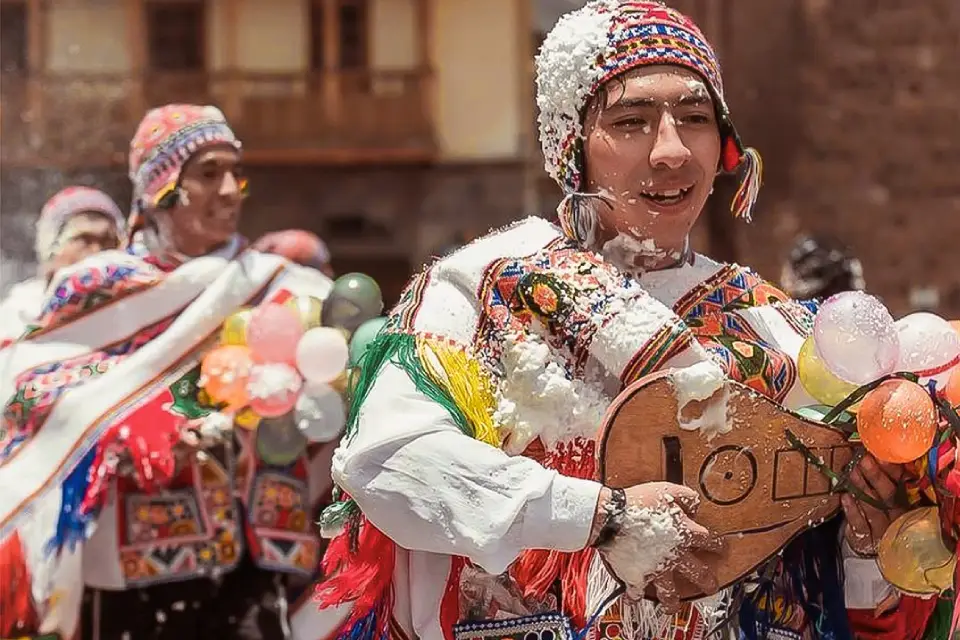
(605, 39)
(56, 214)
(166, 138)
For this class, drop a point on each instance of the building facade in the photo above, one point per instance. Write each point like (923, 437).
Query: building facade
(393, 126)
(853, 106)
(390, 127)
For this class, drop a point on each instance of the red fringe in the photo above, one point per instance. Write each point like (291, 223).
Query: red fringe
(364, 577)
(18, 617)
(538, 569)
(450, 604)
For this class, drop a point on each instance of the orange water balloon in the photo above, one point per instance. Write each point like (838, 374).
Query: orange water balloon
(952, 390)
(224, 373)
(897, 421)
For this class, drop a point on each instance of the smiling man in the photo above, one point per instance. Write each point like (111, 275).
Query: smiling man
(179, 544)
(468, 502)
(654, 149)
(188, 184)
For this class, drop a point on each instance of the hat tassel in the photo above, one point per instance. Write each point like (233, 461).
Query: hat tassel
(750, 180)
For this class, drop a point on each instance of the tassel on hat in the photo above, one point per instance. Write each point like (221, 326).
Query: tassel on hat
(749, 189)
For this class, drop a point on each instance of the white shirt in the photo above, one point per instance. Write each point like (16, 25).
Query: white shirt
(21, 307)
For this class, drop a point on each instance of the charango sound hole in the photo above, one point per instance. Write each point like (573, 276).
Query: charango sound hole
(728, 475)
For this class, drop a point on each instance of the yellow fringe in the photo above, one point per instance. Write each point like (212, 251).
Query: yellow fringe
(451, 368)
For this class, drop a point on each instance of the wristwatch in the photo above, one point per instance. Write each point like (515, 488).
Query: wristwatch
(615, 507)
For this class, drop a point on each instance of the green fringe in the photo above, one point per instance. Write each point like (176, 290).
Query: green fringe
(401, 350)
(939, 626)
(334, 518)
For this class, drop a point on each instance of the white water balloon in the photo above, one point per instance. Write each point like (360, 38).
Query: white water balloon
(856, 338)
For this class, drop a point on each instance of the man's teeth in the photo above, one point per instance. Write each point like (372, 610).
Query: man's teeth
(666, 195)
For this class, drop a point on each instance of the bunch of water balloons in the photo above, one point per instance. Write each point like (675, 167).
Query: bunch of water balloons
(857, 345)
(283, 369)
(856, 342)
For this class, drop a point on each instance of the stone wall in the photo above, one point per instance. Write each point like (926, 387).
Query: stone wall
(854, 106)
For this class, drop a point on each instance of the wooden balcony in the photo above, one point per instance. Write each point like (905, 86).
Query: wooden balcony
(86, 120)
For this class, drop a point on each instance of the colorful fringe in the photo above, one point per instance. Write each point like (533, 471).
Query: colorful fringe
(749, 188)
(17, 613)
(812, 571)
(360, 560)
(538, 570)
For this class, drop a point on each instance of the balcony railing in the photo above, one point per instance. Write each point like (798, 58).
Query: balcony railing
(87, 119)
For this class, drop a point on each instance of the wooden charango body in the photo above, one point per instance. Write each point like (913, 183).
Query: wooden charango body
(756, 489)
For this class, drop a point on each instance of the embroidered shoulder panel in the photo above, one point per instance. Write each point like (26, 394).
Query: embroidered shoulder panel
(710, 312)
(571, 292)
(92, 284)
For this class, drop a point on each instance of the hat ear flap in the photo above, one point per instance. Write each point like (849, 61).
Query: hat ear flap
(169, 199)
(731, 148)
(730, 154)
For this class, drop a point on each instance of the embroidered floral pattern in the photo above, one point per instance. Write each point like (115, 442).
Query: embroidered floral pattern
(278, 518)
(183, 533)
(710, 310)
(92, 286)
(39, 389)
(568, 290)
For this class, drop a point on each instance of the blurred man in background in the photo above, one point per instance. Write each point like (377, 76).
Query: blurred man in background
(296, 245)
(198, 524)
(818, 268)
(75, 223)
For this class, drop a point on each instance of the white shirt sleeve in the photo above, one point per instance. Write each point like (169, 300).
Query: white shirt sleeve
(431, 488)
(21, 307)
(864, 586)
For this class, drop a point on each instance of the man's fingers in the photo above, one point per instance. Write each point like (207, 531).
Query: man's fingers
(687, 499)
(876, 520)
(667, 592)
(893, 471)
(851, 510)
(872, 474)
(697, 572)
(859, 532)
(858, 479)
(703, 538)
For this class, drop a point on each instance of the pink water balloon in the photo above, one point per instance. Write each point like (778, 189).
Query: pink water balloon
(929, 346)
(856, 338)
(273, 333)
(274, 389)
(322, 354)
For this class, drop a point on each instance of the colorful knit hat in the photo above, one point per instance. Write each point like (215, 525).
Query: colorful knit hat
(605, 39)
(166, 138)
(58, 210)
